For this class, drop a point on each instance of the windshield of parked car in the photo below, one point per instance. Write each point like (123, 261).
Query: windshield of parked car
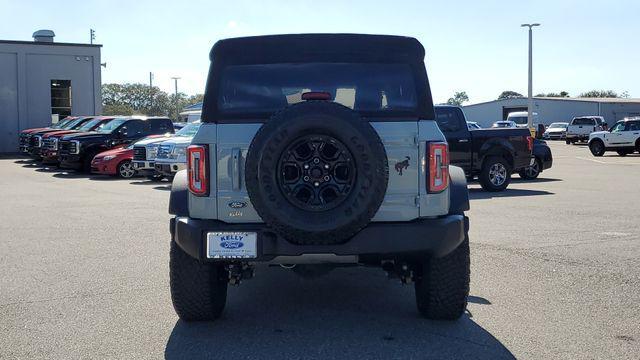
(363, 87)
(60, 124)
(520, 120)
(558, 126)
(110, 126)
(189, 130)
(89, 124)
(618, 127)
(73, 123)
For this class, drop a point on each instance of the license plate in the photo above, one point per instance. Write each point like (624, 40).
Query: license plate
(231, 245)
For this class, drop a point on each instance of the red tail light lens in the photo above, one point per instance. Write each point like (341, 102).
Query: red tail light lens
(438, 154)
(530, 143)
(197, 170)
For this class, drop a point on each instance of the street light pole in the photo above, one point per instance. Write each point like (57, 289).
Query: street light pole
(175, 79)
(530, 90)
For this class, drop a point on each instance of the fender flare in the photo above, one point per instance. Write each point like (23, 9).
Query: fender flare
(179, 197)
(458, 192)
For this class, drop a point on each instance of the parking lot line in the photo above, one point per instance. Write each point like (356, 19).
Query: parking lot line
(594, 160)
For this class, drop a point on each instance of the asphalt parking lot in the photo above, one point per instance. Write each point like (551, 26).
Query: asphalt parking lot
(555, 274)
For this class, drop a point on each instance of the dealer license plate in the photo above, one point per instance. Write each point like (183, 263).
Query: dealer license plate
(231, 245)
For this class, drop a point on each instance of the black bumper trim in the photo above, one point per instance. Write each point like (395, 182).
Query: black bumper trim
(437, 237)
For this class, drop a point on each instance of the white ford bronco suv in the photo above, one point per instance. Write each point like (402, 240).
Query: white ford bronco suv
(317, 151)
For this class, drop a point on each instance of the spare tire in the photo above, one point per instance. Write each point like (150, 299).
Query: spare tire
(316, 173)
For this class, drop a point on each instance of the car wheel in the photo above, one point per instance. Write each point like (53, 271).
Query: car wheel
(597, 148)
(442, 284)
(126, 170)
(198, 289)
(86, 162)
(330, 166)
(568, 142)
(622, 152)
(531, 172)
(495, 174)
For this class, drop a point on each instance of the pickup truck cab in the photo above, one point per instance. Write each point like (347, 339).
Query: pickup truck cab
(492, 155)
(623, 138)
(77, 150)
(580, 127)
(318, 151)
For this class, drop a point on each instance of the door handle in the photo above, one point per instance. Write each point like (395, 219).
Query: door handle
(235, 169)
(463, 140)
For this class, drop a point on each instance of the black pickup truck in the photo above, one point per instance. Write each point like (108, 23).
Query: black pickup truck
(492, 155)
(77, 150)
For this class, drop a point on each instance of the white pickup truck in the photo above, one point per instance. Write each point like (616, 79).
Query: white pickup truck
(580, 127)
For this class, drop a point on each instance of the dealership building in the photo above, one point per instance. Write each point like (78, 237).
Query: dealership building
(551, 109)
(42, 81)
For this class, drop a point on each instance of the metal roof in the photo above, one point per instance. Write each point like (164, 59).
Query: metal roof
(40, 43)
(583, 99)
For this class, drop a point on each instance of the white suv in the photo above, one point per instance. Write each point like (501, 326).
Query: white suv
(624, 138)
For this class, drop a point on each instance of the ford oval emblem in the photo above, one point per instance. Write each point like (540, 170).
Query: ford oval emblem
(237, 204)
(231, 244)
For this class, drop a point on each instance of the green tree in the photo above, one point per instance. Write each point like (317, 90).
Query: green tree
(508, 94)
(561, 94)
(128, 99)
(459, 97)
(117, 109)
(599, 94)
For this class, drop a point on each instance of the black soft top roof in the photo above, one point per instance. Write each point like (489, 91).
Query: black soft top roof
(307, 47)
(302, 48)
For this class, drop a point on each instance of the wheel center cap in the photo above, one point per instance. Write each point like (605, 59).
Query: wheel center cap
(316, 173)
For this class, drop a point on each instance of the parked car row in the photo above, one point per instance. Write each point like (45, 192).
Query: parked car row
(106, 144)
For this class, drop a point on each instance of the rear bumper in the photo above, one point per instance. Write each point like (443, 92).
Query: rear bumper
(436, 237)
(577, 136)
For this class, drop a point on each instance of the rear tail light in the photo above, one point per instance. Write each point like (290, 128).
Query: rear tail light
(438, 155)
(530, 143)
(197, 170)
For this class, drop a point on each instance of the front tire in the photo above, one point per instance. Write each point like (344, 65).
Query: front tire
(442, 284)
(198, 289)
(597, 147)
(495, 174)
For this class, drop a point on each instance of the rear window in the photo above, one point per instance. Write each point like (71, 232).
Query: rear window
(359, 86)
(583, 121)
(448, 119)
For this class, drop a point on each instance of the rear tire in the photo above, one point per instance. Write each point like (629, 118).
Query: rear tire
(198, 289)
(442, 284)
(495, 174)
(531, 172)
(597, 147)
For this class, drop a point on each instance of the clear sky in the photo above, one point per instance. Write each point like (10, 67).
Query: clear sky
(473, 46)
